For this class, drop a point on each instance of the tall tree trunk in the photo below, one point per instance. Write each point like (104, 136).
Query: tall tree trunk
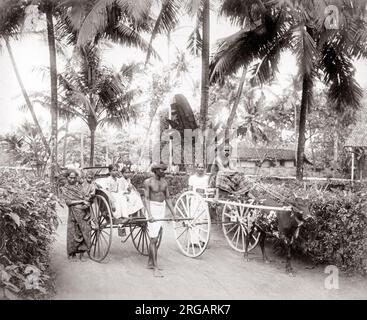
(65, 142)
(205, 70)
(235, 106)
(306, 87)
(313, 152)
(336, 145)
(81, 150)
(296, 124)
(25, 94)
(53, 76)
(92, 143)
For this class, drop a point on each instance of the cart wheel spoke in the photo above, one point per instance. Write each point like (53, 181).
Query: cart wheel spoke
(140, 237)
(236, 232)
(101, 238)
(191, 205)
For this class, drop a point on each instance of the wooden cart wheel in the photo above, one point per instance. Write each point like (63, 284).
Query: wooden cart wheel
(235, 227)
(101, 236)
(140, 237)
(192, 235)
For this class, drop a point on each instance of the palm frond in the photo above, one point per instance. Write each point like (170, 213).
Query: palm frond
(241, 12)
(125, 35)
(94, 22)
(108, 13)
(12, 15)
(304, 47)
(242, 48)
(167, 19)
(344, 91)
(195, 41)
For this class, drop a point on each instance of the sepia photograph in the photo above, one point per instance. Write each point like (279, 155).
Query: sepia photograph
(191, 152)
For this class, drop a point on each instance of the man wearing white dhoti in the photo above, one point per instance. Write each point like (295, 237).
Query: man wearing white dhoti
(156, 198)
(198, 182)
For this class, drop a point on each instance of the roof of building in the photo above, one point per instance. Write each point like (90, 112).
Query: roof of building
(250, 153)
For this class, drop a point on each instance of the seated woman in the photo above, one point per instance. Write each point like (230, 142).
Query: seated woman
(125, 200)
(134, 203)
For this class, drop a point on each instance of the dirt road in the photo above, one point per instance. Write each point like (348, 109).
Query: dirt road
(220, 273)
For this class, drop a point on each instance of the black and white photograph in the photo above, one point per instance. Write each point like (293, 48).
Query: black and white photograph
(181, 151)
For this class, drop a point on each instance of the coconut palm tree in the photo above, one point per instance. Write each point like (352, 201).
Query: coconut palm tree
(142, 13)
(300, 26)
(95, 93)
(12, 15)
(51, 9)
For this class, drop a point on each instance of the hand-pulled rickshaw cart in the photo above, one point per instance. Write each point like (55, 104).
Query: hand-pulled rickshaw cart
(191, 226)
(189, 223)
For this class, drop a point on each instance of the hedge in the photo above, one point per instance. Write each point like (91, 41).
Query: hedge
(27, 223)
(338, 233)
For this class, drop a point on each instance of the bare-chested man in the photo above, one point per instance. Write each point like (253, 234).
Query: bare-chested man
(156, 197)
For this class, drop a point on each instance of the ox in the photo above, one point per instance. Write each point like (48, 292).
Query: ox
(282, 224)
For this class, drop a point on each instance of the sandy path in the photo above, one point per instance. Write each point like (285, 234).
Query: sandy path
(220, 273)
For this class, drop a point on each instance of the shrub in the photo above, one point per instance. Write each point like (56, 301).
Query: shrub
(338, 233)
(27, 223)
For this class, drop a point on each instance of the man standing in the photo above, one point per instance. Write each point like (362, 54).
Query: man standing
(156, 196)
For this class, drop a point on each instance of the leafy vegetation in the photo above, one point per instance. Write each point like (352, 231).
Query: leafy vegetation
(338, 233)
(28, 220)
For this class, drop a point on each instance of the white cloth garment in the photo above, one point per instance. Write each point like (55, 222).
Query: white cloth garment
(199, 182)
(124, 202)
(158, 210)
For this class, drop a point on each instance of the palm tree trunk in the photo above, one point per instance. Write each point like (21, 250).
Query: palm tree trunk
(235, 106)
(81, 150)
(25, 94)
(306, 87)
(205, 70)
(313, 152)
(336, 144)
(65, 142)
(53, 76)
(92, 143)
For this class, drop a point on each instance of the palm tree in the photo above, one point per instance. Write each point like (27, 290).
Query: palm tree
(97, 17)
(96, 94)
(49, 8)
(12, 15)
(298, 25)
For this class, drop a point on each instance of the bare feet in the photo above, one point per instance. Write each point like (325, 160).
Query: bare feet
(83, 259)
(157, 273)
(72, 258)
(150, 266)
